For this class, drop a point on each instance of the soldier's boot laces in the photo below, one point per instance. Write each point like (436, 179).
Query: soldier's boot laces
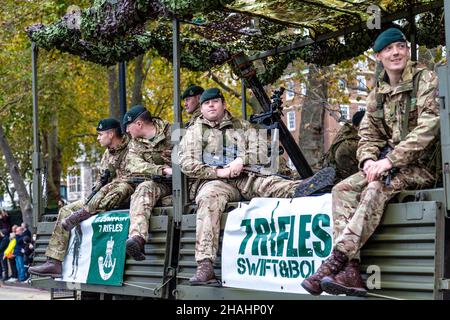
(204, 274)
(320, 181)
(348, 281)
(75, 219)
(331, 266)
(136, 248)
(51, 268)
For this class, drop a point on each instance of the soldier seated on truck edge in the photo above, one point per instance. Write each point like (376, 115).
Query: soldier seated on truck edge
(216, 184)
(402, 114)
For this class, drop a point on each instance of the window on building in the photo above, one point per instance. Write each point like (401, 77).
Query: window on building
(94, 175)
(303, 89)
(361, 107)
(342, 84)
(290, 90)
(345, 112)
(74, 183)
(291, 120)
(362, 64)
(361, 83)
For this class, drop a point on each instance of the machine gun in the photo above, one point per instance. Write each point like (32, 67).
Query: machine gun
(387, 178)
(243, 67)
(252, 171)
(138, 179)
(229, 154)
(104, 179)
(270, 119)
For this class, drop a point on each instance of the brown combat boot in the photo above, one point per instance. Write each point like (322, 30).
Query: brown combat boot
(204, 274)
(51, 268)
(135, 248)
(332, 265)
(74, 219)
(348, 281)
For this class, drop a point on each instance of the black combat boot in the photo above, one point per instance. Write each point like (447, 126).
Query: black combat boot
(135, 248)
(331, 266)
(204, 274)
(74, 219)
(51, 268)
(348, 281)
(320, 181)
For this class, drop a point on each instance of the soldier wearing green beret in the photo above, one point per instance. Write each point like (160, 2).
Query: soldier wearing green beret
(149, 154)
(217, 184)
(113, 193)
(191, 97)
(402, 120)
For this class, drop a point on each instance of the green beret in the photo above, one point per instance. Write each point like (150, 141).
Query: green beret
(209, 94)
(387, 37)
(191, 91)
(133, 114)
(108, 124)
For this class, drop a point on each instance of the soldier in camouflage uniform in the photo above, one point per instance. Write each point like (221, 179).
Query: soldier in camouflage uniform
(403, 113)
(191, 97)
(149, 155)
(342, 152)
(218, 184)
(112, 194)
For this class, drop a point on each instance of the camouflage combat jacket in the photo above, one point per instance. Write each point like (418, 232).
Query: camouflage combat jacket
(208, 136)
(342, 152)
(193, 146)
(384, 126)
(150, 156)
(114, 160)
(197, 112)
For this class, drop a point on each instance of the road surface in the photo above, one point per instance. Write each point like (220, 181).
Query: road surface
(22, 293)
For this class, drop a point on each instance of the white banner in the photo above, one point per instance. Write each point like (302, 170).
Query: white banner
(96, 251)
(273, 244)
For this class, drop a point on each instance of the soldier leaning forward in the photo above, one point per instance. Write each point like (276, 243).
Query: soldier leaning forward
(342, 152)
(216, 186)
(402, 113)
(149, 155)
(111, 192)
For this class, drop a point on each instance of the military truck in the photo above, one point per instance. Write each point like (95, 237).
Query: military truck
(411, 246)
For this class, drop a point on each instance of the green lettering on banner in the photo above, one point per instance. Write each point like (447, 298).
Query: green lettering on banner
(291, 251)
(282, 234)
(260, 242)
(241, 265)
(284, 270)
(247, 223)
(303, 251)
(322, 235)
(293, 268)
(273, 235)
(309, 268)
(252, 267)
(110, 231)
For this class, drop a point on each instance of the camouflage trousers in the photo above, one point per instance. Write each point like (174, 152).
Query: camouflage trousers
(110, 196)
(358, 206)
(213, 197)
(143, 200)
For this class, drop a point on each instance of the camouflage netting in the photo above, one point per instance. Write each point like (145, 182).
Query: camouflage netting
(213, 30)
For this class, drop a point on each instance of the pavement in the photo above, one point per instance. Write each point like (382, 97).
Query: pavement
(22, 291)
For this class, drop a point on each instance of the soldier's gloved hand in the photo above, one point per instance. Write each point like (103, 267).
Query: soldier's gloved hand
(167, 171)
(378, 167)
(236, 166)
